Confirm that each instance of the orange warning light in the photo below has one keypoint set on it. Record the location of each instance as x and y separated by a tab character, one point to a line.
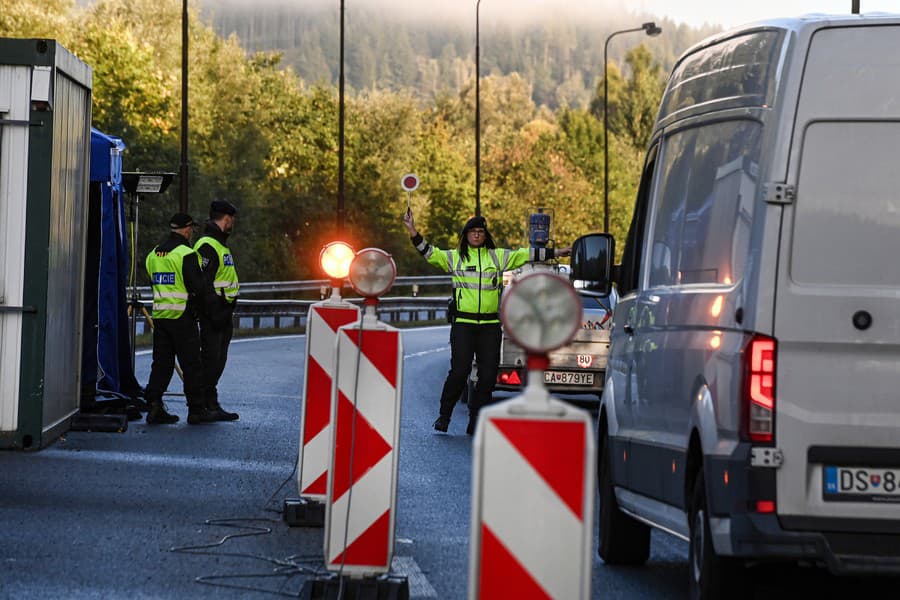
335	259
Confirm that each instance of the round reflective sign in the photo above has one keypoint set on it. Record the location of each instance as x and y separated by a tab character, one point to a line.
541	312
372	272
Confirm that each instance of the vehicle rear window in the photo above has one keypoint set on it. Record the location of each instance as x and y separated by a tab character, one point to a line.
848	205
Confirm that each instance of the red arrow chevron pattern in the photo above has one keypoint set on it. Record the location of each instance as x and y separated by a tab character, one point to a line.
361	493
322	325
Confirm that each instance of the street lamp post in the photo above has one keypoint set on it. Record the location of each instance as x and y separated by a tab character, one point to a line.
650	29
183	168
477	113
340	198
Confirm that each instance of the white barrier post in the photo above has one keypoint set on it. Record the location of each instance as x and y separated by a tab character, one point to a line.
322	323
534	459
362	487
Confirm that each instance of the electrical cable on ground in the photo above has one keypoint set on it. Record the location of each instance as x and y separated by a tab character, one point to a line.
288	568
280	487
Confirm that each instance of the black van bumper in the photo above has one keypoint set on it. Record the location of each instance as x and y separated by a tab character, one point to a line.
844	546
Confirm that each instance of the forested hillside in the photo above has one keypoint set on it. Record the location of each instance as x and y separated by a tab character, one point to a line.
560	57
266	137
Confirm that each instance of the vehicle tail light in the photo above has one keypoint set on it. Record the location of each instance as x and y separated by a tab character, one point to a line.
765	506
758	402
509	378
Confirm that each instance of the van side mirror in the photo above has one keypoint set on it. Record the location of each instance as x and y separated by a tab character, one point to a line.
592	262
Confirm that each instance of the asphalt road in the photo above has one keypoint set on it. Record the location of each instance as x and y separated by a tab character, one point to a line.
102	515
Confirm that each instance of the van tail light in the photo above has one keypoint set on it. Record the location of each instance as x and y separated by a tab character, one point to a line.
758	401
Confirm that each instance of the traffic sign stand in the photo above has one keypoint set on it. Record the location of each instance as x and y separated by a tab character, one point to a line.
330	587
322	324
532	497
361	502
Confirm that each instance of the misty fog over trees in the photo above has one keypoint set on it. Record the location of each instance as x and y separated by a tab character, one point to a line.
559	55
263	115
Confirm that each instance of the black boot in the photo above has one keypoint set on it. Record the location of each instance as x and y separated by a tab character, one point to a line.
198	415
221	414
442	424
470	428
157	415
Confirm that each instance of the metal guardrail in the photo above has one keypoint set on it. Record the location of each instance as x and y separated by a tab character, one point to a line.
256	288
278	314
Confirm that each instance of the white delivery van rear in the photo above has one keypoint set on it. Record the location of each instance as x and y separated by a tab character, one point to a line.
837	300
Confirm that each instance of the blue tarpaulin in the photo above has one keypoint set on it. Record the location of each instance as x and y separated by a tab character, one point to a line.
106	352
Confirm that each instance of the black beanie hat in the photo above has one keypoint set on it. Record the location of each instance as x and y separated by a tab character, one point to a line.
475	222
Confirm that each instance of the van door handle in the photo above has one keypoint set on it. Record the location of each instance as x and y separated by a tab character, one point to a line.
628	328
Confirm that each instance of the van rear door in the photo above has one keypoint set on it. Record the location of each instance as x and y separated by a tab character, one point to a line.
837	312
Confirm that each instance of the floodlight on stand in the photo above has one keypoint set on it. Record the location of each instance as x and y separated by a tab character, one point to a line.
146	183
138	185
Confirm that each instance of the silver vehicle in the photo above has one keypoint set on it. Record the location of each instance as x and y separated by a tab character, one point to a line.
579	367
751	403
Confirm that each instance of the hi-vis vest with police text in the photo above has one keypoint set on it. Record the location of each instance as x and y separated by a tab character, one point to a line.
226	279
478	279
170	294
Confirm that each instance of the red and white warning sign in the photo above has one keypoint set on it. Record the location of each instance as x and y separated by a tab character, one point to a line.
361	505
409	182
532	502
323	321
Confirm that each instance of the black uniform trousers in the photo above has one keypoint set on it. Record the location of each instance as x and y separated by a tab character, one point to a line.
176	338
468	340
214	342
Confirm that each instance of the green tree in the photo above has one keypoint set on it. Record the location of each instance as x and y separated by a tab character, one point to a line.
32	19
633	101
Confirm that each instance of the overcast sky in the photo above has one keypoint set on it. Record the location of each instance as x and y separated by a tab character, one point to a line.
696	12
726	13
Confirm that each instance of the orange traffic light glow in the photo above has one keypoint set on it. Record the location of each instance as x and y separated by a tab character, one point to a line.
335	259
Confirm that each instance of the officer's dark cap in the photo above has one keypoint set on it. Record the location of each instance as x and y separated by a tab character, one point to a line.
221	207
180	220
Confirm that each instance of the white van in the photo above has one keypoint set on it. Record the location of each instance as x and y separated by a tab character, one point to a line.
752	396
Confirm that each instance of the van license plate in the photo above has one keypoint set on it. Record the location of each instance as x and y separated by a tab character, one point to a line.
861	484
569	377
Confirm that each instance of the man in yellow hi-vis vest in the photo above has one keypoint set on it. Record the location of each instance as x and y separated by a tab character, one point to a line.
178	294
217	327
476	268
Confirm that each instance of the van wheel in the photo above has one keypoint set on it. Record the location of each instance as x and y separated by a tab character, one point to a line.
623	540
712	576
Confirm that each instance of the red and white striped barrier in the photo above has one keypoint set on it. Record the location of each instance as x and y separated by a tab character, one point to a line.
532	500
322	324
362	490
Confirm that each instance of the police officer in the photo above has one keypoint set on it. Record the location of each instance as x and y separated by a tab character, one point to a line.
174	270
476	268
216	328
